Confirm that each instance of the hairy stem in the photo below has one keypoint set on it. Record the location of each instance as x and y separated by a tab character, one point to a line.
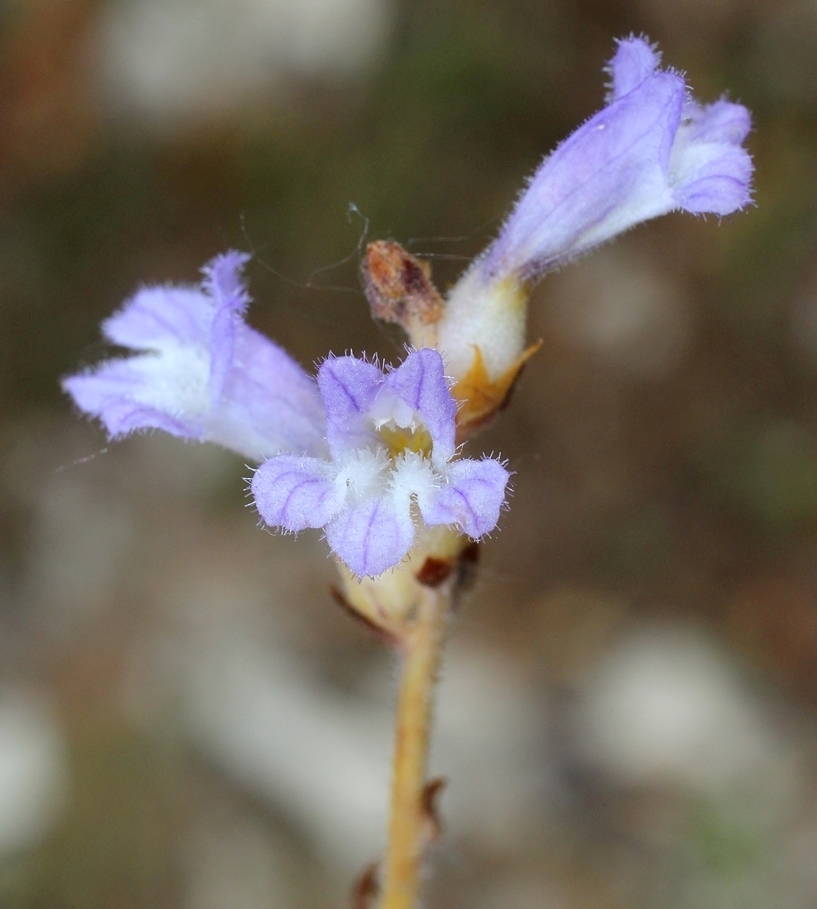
409	824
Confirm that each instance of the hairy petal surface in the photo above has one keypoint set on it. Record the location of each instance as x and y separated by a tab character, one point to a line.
222	282
632	161
635	60
373	535
296	493
144	392
199	372
348	387
471	499
360	398
419	384
391	438
709	169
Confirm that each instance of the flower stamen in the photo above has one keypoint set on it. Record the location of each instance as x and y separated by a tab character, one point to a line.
401	439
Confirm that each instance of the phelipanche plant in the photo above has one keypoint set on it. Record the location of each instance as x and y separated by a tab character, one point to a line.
371	454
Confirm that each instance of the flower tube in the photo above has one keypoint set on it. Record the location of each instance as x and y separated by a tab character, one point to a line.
651	150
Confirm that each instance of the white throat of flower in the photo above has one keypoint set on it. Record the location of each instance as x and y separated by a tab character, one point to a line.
398	463
400	429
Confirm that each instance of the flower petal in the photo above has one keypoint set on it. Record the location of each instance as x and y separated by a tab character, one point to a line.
296	493
115	394
222	280
374	535
348	387
266	402
615	170
471	499
606	177
158	317
269	404
722	121
634	61
709	169
419	382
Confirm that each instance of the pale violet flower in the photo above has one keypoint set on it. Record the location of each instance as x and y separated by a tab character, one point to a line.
366	454
650	151
200	372
391	440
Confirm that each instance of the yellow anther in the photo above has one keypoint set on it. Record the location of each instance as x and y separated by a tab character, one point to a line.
399	440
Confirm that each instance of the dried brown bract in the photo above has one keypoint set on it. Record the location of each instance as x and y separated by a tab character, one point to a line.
398	286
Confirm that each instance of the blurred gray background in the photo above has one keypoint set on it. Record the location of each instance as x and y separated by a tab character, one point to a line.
627	711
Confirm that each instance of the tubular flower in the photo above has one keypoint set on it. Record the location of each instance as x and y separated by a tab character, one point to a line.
368	455
200	372
391	441
651	150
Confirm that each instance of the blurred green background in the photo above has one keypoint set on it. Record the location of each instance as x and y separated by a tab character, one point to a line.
628	714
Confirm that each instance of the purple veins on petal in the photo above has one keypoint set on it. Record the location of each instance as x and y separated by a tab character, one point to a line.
348	387
222	281
374	535
296	493
359	398
420	383
156	316
199	372
471	499
378	482
648	152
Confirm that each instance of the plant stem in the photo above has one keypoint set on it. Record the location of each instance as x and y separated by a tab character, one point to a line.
409	823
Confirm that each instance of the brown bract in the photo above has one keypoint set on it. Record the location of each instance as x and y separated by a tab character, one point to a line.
398	286
435	571
366	887
431	793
